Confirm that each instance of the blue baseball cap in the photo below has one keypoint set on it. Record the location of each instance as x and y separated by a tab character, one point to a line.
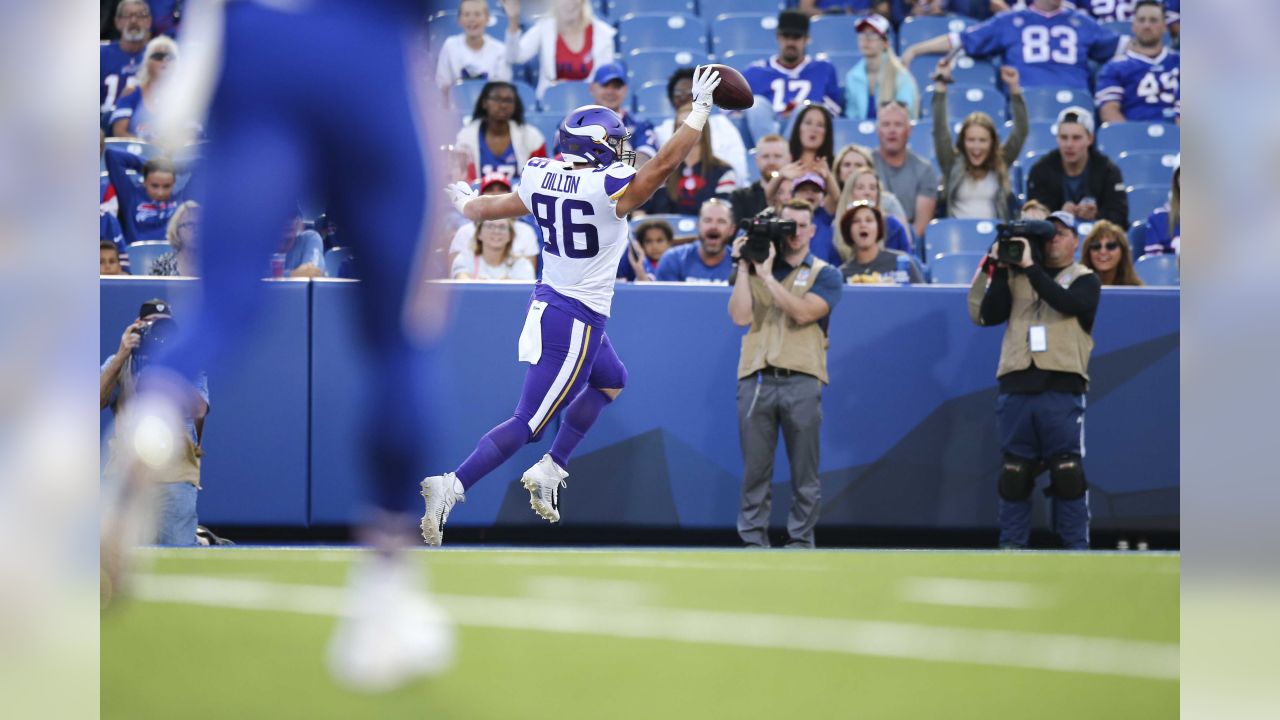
608	73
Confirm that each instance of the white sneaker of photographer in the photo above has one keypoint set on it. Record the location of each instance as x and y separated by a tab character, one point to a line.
543	481
391	631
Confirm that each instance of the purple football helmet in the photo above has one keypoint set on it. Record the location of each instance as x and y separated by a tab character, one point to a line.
594	134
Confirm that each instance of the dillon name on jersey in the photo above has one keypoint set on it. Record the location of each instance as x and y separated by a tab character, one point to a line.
582	236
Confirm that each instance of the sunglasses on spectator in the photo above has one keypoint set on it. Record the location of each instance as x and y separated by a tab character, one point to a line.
159	56
1110	246
133	16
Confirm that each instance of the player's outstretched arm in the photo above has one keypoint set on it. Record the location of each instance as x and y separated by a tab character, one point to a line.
655	172
485	207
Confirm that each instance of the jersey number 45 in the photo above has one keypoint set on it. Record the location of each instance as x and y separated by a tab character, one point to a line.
581	239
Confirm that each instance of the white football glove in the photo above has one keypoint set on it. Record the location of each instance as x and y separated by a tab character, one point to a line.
460	193
705	81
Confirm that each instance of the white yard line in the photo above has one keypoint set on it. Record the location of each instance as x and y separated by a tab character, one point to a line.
999	648
960	592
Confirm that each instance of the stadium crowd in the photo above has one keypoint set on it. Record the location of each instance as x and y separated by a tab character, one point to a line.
1071	106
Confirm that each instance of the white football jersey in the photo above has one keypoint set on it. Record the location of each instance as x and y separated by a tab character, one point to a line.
582	236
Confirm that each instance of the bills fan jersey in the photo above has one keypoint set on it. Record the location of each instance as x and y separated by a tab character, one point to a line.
582	236
1048	49
788	88
1146	88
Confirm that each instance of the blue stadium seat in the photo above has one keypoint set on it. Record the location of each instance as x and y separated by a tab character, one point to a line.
948	236
651	101
743	31
440	27
681	224
1153	269
753	170
954	269
548	124
143	254
497	27
144	151
1040	140
862	132
1146	168
967	71
836	31
656	65
1143	199
712	9
740	59
844	61
965	99
917	29
564	97
677	32
920	142
1114	138
1017	177
1044	103
618	9
463	96
1137	238
333	260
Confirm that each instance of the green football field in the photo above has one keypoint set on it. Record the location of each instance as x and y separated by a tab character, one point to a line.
624	633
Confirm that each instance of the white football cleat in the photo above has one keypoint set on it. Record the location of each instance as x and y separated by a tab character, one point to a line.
440	498
391	632
543	481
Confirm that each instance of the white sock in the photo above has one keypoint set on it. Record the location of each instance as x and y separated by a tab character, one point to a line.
457	486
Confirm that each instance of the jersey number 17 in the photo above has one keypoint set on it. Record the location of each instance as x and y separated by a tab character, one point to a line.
581	239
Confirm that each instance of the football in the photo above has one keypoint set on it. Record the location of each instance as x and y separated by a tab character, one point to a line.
733	92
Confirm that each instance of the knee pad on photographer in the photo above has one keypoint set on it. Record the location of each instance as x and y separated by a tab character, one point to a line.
1017	478
1066	476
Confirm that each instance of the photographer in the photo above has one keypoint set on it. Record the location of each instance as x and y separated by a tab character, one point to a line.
174	490
785	295
1031	281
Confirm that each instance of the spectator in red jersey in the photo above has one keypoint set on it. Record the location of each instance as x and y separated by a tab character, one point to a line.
699	178
570	43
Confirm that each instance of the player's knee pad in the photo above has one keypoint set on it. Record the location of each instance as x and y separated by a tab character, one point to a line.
612	376
1066	477
1017	478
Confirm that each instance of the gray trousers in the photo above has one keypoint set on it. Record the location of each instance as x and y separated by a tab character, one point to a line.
766	404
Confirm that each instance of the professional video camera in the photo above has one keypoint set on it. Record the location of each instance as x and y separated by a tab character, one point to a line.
154	336
765	228
1036	232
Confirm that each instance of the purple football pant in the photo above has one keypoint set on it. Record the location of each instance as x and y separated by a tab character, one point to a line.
576	357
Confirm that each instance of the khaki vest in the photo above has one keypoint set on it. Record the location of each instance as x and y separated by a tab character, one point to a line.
186	469
775	340
1068	345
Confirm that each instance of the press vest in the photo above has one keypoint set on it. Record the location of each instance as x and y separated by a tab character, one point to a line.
1067	344
775	340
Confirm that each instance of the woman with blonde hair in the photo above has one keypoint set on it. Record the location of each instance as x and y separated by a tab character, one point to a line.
1107	253
134	112
892	80
183	236
975	166
853	157
700	177
864	187
570	43
490	256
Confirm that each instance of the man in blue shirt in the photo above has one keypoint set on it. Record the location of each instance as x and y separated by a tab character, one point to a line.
609	88
119	60
704	260
109	231
791	78
1051	46
1144	85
